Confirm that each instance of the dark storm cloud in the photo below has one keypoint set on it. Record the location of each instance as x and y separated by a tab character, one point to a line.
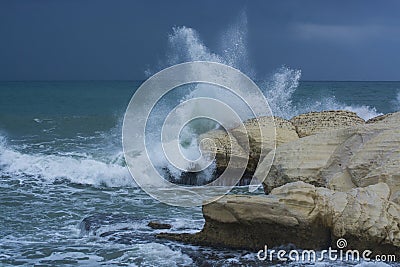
99	39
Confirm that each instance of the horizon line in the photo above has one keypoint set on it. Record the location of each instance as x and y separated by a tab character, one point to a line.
135	80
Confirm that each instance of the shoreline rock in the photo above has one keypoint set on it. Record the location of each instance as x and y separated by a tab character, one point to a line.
379	118
318	122
308	217
247	138
340	179
339	159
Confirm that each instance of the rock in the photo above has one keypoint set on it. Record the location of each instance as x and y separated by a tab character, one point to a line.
115	228
339	159
218	142
158	225
316	122
304	215
378	160
285	132
224	149
338	183
379	118
310	159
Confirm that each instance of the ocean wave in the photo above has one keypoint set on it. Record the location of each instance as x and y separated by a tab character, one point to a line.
51	168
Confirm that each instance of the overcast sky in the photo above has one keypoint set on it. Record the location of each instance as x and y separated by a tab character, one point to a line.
119	40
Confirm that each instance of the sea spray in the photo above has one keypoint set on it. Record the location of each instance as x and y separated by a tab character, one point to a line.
279	91
233	46
396	102
185	44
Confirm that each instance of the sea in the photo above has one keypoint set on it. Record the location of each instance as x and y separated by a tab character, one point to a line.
66	195
67	198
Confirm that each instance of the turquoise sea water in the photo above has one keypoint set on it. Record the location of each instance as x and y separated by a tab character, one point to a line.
66	196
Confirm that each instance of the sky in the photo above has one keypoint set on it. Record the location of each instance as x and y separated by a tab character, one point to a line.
120	39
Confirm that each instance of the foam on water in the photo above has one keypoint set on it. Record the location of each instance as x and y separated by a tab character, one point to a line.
52	167
155	254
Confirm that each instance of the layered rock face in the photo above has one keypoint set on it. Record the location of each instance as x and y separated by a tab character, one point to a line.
306	216
317	122
340	159
248	138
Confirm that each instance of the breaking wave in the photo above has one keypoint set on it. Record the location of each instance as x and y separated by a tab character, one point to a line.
75	168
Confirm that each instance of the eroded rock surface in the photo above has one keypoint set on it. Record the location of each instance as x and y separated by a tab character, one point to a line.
317	122
340	159
304	215
248	139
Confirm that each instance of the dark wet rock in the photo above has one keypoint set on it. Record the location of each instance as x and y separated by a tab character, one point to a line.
117	228
158	225
92	223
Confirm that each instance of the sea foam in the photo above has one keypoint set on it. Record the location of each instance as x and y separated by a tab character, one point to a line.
50	168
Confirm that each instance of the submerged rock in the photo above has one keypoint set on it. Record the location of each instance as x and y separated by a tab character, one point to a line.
317	122
115	227
304	215
158	225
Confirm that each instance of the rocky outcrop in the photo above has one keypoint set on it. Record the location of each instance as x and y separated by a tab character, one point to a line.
285	132
341	180
304	215
340	159
379	118
247	138
317	122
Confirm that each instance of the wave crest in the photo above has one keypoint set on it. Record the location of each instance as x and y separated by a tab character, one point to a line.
50	168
